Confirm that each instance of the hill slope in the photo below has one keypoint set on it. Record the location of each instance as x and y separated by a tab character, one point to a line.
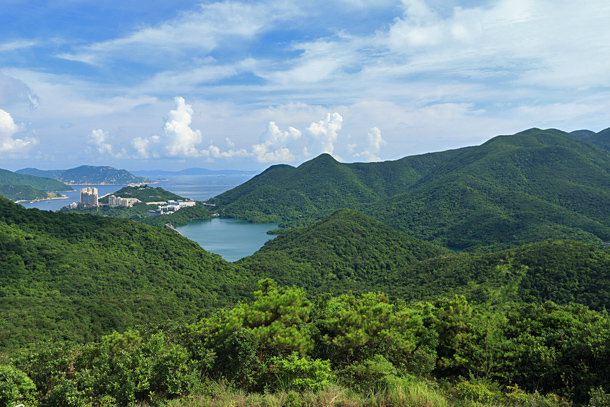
351	251
77	277
88	175
345	251
145	193
15	186
511	190
319	187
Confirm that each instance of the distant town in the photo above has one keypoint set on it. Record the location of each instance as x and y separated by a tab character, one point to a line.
89	199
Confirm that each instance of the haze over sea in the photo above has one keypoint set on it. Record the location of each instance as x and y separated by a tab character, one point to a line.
230	238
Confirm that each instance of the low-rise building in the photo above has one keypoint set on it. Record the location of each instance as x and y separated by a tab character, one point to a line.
118	201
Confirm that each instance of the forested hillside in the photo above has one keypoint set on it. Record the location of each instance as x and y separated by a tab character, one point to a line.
78	276
16	186
351	251
512	190
319	187
144	193
346	251
88	175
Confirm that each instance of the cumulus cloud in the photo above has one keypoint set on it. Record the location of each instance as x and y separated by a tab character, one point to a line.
374	142
99	139
8	129
180	140
273	144
325	131
144	146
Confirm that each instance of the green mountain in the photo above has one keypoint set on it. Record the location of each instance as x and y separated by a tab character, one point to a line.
351	251
15	186
512	190
88	175
345	251
601	139
77	277
319	187
145	193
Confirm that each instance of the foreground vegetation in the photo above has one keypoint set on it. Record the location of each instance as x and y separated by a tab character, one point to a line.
353	349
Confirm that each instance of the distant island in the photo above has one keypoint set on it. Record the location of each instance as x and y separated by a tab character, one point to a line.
88	175
22	187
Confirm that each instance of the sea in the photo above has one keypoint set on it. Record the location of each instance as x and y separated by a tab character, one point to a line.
232	239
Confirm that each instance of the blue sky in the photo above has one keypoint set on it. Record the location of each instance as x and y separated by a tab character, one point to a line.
245	85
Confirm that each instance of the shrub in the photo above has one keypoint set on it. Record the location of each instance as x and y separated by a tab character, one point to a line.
599	398
371	375
15	386
298	374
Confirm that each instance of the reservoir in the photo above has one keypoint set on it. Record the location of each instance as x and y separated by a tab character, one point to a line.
230	238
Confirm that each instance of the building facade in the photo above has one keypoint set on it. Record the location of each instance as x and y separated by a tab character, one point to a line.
88	196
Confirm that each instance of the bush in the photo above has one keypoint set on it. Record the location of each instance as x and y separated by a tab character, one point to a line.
374	374
298	374
599	398
15	386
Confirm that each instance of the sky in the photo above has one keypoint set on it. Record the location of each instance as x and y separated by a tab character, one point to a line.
153	84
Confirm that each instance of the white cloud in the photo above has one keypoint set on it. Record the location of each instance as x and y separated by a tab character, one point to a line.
273	144
99	139
144	146
16	45
325	131
181	139
374	141
195	33
8	129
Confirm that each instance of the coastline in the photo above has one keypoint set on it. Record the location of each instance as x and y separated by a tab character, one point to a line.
42	199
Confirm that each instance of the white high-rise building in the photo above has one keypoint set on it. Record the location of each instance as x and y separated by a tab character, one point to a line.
88	196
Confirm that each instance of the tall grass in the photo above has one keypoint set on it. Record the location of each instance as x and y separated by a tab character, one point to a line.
401	394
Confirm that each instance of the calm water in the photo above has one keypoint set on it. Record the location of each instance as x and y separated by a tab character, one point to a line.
230	238
197	187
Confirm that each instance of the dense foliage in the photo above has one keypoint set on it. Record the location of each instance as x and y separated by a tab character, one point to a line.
346	251
87	174
512	190
535	355
77	277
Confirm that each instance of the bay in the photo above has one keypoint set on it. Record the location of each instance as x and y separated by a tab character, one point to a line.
232	239
196	187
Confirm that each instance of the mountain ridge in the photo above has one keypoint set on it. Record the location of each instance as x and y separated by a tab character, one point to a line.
511	190
88	175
